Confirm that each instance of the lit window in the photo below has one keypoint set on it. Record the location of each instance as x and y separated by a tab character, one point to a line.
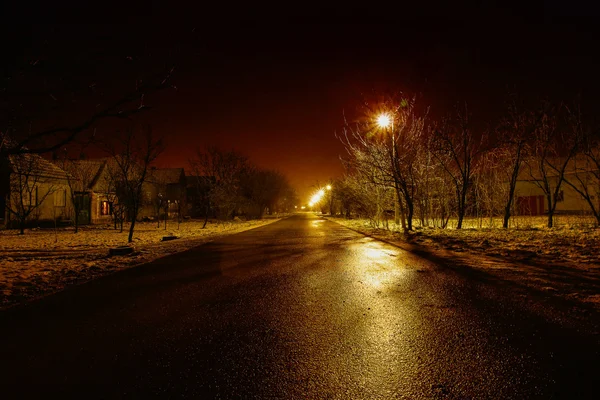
105	207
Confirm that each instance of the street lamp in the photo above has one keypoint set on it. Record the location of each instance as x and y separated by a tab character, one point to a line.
385	120
328	187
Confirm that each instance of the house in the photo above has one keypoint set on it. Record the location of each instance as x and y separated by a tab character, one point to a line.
164	190
96	190
531	199
33	190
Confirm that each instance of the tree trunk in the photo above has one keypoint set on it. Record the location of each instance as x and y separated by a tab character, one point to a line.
460	210
76	210
206	216
511	197
512	187
400	205
22	226
462	204
132	226
506	215
550	211
411	212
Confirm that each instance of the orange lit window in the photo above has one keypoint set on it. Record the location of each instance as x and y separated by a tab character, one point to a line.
105	207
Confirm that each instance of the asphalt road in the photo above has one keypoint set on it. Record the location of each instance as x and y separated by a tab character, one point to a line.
299	309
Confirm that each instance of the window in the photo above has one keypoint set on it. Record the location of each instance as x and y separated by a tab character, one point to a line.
105	207
60	198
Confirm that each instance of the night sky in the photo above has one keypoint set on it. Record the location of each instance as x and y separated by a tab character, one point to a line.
277	84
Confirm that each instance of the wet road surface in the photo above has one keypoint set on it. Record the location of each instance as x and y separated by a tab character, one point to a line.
299	309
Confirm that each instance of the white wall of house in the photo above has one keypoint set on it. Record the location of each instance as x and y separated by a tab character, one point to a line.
53	200
569	201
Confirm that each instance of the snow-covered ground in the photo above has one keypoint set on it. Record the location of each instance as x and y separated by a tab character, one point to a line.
43	261
563	261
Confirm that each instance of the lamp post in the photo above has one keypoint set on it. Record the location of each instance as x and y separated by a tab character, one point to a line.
384	120
328	187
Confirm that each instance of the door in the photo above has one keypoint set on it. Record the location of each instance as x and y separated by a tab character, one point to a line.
84	205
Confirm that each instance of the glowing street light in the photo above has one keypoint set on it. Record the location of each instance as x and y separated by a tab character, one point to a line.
328	187
317	197
384	120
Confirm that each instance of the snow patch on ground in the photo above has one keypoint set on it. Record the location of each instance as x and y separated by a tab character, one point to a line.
44	261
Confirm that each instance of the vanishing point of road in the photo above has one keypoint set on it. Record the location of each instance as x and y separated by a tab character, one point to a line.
302	308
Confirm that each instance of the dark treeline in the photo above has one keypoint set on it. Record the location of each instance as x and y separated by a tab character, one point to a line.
226	184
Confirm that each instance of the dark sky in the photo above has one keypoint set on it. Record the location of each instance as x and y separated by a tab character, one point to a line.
276	83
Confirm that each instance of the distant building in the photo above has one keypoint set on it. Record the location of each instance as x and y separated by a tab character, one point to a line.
531	199
164	191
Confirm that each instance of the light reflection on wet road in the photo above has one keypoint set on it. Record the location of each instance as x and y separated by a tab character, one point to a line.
302	308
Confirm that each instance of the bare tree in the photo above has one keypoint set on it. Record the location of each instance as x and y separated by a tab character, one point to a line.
263	189
407	155
585	166
160	200
456	148
552	150
133	156
15	140
515	132
390	152
489	186
201	196
368	162
110	189
224	171
79	177
30	185
344	196
288	200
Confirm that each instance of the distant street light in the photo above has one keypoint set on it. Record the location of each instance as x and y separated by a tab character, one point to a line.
316	198
328	187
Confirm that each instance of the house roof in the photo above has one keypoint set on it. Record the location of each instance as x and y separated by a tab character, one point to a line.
35	164
93	167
